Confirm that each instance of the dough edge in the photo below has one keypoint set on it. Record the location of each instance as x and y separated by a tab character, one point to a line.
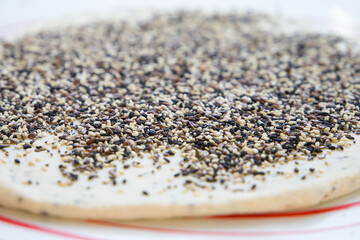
293	198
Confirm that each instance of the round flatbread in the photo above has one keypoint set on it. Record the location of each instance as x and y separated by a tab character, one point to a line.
182	114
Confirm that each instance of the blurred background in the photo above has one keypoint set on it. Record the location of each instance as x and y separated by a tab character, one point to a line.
338	16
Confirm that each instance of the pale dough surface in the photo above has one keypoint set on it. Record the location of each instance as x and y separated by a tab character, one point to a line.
334	176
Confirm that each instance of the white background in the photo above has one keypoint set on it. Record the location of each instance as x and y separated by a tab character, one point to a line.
338	16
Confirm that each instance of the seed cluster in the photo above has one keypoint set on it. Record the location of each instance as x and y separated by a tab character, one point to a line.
231	96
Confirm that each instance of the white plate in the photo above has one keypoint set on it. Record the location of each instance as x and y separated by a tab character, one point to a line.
338	219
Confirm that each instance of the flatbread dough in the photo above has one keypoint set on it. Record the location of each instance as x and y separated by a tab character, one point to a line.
35	184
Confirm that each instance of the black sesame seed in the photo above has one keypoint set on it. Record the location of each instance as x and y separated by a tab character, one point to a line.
26	146
350	137
92	176
73	177
258	173
211	180
76	152
331	147
151	132
171	153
